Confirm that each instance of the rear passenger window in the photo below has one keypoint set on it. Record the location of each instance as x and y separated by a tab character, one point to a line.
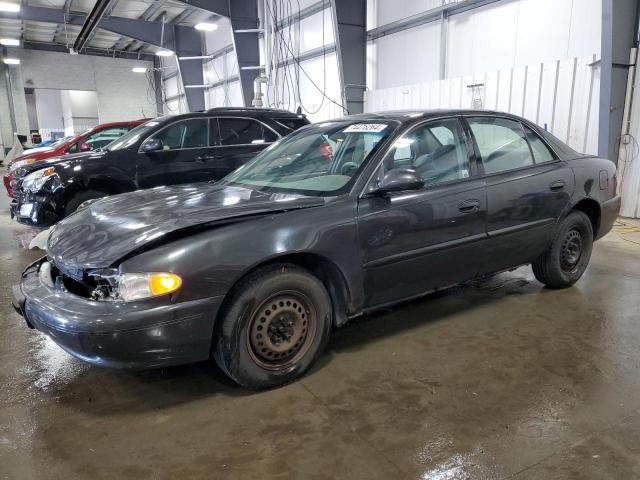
502	144
292	123
435	150
541	152
244	131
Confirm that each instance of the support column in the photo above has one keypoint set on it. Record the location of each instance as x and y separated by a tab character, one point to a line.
350	27
157	84
618	26
188	43
244	16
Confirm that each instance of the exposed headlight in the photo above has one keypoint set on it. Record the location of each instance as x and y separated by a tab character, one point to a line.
134	286
36	180
21	163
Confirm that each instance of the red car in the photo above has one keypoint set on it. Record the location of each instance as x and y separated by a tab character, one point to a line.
94	138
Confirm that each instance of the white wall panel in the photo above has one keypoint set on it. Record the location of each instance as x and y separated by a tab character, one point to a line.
311	29
557	94
501	35
410	56
391	10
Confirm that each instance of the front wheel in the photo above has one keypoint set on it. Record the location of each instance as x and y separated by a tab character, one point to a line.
275	326
81	197
568	256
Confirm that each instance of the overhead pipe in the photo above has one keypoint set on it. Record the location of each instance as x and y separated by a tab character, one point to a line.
91	23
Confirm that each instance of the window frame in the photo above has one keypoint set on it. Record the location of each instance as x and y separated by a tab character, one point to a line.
474	172
519	121
171	124
223	117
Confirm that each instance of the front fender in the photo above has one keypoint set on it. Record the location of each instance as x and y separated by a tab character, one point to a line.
212	261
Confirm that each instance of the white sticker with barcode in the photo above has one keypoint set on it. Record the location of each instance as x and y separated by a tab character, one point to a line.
365	128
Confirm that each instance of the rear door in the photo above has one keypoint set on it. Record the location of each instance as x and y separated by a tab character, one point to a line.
415	241
239	139
185	156
528	188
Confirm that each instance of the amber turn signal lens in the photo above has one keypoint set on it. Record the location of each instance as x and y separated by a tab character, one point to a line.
161	283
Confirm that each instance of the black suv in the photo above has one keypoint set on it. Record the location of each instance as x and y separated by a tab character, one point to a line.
188	148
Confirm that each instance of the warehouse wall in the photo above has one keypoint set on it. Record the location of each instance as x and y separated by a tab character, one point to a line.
508	33
122	94
22	119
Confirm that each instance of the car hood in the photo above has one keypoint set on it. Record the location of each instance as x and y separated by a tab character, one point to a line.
31	151
62	161
110	229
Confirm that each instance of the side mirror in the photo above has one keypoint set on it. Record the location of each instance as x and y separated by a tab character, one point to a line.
152	145
399	180
84	147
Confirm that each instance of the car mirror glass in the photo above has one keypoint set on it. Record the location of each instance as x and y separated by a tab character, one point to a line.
152	145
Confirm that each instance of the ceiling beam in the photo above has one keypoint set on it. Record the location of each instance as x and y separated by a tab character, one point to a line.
219	7
145	31
107	13
100	52
146	15
243	15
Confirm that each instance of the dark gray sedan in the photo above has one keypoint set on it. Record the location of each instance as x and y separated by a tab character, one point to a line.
336	220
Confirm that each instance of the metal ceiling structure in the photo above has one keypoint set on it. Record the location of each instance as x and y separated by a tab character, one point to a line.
54	25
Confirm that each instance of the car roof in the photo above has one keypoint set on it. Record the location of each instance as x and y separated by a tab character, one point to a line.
410	115
236	112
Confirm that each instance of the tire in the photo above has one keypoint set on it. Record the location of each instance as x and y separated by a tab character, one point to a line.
259	346
567	258
80	197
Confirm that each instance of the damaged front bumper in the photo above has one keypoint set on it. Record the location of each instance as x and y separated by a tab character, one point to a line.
140	334
36	209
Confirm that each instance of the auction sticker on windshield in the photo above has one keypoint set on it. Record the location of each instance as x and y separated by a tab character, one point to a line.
365	128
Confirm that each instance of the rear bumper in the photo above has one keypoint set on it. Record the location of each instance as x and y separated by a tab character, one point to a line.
609	212
117	334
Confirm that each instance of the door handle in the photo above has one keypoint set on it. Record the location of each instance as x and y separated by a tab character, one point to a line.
469	206
204	158
557	186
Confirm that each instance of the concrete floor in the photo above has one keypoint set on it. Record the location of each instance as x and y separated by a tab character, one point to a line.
502	379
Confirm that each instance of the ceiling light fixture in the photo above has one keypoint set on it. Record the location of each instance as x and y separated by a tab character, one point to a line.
139	69
206	27
165	53
9	7
12	61
9	42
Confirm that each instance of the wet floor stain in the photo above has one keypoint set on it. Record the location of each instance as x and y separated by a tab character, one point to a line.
498	378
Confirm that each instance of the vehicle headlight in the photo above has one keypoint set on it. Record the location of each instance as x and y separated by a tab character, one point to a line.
36	180
134	286
21	163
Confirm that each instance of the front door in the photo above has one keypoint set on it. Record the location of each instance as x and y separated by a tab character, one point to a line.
528	188
417	241
185	155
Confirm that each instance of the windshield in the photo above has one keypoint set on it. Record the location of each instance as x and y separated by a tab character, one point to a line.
131	137
59	143
318	160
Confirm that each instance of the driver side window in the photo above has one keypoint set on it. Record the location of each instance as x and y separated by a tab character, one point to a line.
435	150
185	134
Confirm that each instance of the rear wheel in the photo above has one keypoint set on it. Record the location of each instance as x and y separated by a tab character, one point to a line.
568	256
79	198
274	328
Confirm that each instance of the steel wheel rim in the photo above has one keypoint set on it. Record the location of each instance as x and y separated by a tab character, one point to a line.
571	251
281	330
